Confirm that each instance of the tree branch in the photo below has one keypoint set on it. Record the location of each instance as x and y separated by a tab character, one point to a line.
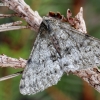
25	12
7	15
12	62
12	26
91	76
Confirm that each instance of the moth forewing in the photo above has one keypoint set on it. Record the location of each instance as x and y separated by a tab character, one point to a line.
58	48
43	69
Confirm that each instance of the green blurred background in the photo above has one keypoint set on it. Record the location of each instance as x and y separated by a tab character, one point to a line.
19	44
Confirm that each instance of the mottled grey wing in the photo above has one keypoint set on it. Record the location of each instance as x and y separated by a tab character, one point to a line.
42	69
77	50
58	48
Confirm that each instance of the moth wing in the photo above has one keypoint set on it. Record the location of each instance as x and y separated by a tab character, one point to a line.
89	50
45	67
78	50
42	69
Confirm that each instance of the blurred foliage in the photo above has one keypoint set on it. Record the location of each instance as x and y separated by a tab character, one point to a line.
19	44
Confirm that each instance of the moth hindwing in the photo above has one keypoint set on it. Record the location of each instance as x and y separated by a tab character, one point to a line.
58	48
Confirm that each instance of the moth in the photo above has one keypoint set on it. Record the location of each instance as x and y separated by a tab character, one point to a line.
58	48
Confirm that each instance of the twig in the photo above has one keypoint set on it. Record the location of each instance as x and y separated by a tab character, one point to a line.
12	26
81	26
91	76
7	15
3	4
12	62
25	12
11	76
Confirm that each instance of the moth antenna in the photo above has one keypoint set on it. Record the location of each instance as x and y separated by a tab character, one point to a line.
10	76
